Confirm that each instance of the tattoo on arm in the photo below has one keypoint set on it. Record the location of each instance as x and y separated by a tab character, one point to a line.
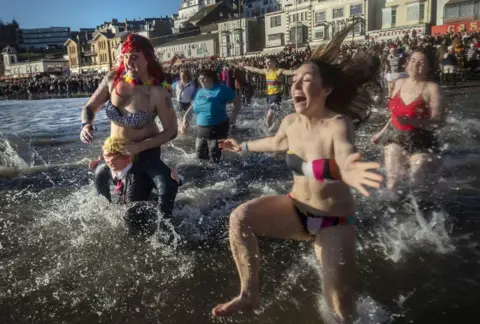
87	114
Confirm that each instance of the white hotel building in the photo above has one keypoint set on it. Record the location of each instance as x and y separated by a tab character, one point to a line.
303	22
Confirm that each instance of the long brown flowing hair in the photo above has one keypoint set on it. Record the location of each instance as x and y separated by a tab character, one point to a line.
137	43
346	76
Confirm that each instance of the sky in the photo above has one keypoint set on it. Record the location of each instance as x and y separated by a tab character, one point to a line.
81	13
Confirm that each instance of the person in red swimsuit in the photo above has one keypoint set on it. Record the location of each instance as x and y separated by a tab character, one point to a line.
417	111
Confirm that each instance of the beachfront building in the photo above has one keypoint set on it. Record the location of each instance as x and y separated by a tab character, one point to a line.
42	38
15	69
259	8
457	16
401	17
189	48
98	54
198	38
241	36
189	8
298	22
330	16
275	31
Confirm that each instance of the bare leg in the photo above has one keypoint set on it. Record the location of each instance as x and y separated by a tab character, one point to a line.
270	115
396	164
267	216
423	168
335	248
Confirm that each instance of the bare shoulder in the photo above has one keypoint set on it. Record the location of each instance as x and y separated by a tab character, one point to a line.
161	97
433	88
290	119
341	124
159	92
397	84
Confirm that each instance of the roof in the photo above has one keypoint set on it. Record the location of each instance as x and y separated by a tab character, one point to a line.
187	40
106	35
202	13
68	41
9	50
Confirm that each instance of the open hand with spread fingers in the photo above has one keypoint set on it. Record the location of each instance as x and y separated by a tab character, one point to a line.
357	175
230	145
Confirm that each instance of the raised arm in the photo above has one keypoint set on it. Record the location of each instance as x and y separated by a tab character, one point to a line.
168	118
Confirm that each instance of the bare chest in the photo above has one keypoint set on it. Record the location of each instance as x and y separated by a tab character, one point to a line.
131	99
311	143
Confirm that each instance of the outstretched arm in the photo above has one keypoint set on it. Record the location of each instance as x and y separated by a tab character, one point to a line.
276	143
286	72
254	69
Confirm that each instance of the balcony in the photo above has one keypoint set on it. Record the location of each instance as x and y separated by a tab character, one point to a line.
89	53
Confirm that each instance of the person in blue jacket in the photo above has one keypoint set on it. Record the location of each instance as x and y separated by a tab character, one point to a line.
213	122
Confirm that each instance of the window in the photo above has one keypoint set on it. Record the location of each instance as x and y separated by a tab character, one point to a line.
293	18
356	9
274	37
389	16
320	17
459	10
337	13
301	32
416	11
319	33
200	51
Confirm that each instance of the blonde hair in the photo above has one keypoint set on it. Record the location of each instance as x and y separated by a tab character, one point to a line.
115	145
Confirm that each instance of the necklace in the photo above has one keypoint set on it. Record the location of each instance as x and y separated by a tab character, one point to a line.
130	80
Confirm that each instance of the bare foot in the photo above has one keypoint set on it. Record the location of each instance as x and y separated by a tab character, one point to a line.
238	304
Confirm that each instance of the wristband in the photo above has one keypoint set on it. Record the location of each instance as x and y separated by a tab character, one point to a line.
84	124
245	146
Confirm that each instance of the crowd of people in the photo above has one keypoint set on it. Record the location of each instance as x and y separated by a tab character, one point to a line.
448	55
50	87
330	101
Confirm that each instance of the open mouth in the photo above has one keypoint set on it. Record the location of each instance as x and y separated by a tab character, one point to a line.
299	99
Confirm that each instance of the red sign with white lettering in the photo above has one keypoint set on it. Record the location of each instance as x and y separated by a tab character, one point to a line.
469	26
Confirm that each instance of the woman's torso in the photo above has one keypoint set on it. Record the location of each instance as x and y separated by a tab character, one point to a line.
320	198
210	105
408	101
130	99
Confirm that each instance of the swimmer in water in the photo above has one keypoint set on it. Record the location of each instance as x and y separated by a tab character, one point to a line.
319	143
409	136
213	120
274	90
133	97
131	184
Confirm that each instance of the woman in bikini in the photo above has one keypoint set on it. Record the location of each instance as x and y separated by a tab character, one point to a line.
319	141
133	97
417	111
